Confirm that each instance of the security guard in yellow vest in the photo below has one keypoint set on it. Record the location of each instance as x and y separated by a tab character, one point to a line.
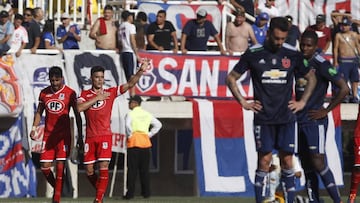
137	125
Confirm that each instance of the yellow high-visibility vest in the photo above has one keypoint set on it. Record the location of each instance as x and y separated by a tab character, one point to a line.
140	123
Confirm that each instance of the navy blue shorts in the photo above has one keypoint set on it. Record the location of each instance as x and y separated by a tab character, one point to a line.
282	137
349	68
128	64
312	138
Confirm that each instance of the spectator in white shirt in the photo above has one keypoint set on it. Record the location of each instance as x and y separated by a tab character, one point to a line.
20	38
126	37
269	8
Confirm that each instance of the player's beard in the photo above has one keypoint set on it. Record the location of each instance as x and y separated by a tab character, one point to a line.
272	46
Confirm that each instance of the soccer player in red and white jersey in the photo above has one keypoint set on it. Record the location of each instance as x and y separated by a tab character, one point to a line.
56	100
97	103
355	173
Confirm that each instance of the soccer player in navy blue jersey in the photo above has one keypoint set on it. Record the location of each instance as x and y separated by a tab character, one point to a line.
272	67
313	120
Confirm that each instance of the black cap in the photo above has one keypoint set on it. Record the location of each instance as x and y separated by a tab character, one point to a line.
289	18
346	21
126	14
136	98
320	18
4	14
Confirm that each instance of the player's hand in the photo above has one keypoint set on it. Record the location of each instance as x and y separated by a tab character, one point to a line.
318	114
145	63
32	134
254	106
296	106
80	144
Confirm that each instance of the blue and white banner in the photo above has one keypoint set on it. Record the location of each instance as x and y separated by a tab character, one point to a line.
17	178
225	152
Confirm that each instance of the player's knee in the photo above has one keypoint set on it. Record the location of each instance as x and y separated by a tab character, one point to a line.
46	164
89	170
318	162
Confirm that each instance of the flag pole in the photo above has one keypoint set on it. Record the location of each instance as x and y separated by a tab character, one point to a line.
125	173
114	175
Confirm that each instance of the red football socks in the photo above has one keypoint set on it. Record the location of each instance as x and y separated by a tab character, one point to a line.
355	180
59	181
102	183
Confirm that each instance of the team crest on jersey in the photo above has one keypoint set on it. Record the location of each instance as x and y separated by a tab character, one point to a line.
55	105
62	96
286	63
105	145
273	61
98	105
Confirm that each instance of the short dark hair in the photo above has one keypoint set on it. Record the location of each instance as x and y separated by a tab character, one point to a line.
280	23
310	34
239	12
108	7
31	10
18	16
95	69
55	71
161	11
49	26
141	16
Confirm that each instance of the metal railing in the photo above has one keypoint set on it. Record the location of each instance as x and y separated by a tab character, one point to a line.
84	12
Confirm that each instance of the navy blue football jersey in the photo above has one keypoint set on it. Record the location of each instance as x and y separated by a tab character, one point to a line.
273	76
325	73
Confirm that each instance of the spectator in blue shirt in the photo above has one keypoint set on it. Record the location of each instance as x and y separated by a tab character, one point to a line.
47	37
260	27
294	32
68	34
196	33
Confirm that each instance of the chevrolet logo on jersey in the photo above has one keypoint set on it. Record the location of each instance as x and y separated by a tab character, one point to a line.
55	106
98	105
274	74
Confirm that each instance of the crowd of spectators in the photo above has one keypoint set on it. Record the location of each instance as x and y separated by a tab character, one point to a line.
32	31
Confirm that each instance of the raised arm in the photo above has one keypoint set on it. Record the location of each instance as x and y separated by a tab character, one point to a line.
135	78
